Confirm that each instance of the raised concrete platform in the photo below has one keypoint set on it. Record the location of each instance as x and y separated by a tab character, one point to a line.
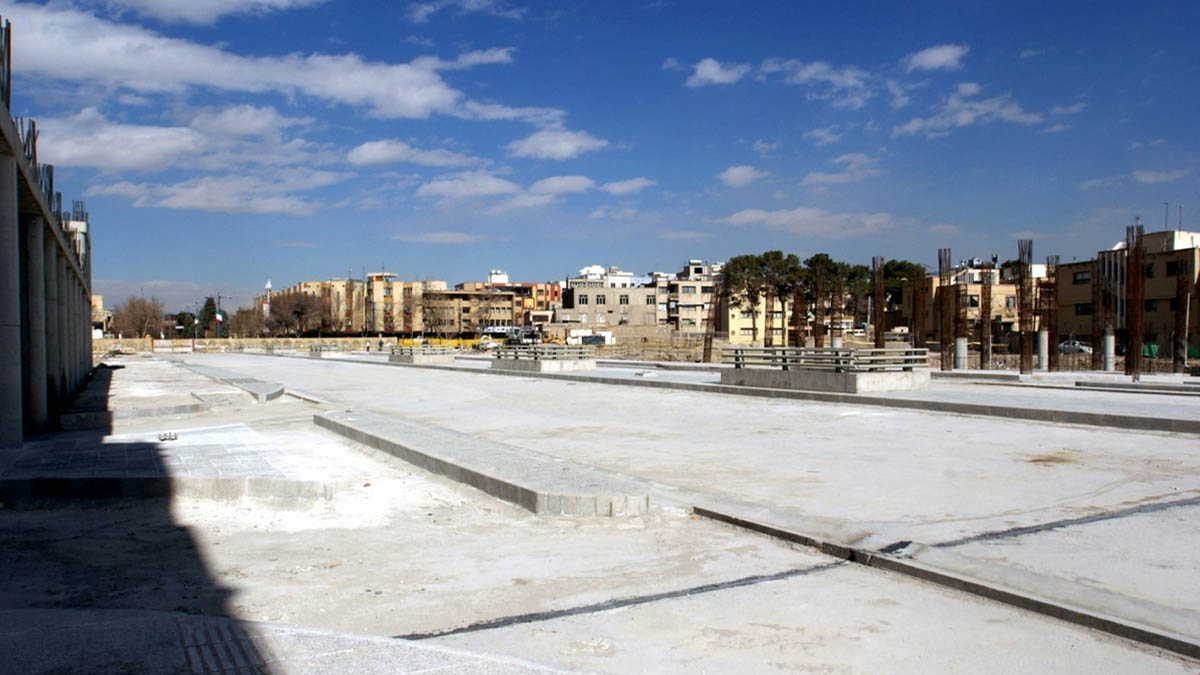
419	359
541	484
544	365
826	380
262	391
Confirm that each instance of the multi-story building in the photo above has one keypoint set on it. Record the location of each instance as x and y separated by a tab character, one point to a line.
533	303
689	296
1003	312
1169	255
380	304
601	306
455	312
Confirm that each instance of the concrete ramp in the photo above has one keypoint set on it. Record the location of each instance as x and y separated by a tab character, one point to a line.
542	484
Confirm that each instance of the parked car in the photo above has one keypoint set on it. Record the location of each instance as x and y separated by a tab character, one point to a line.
486	344
1074	347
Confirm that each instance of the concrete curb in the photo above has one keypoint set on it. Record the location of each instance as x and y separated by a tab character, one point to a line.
1125	422
261	391
39	491
541	484
1059	609
103	419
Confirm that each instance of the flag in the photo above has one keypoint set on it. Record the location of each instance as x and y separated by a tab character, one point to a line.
220	318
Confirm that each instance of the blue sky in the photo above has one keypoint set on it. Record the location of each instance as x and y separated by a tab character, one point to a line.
219	143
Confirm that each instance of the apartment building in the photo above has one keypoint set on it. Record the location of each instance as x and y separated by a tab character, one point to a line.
532	302
1091	292
690	295
380	304
1003	312
601	306
453	312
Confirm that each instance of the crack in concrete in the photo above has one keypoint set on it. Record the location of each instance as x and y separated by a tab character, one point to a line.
1069	522
618	603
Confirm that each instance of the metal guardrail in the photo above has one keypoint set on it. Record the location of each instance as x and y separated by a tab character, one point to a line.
839	360
423	350
316	349
545	352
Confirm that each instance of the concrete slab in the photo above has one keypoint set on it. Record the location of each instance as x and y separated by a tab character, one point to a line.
541	484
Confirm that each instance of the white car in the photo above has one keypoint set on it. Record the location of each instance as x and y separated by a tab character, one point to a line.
1074	347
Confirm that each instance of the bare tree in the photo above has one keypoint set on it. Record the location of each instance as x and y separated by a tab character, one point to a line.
297	313
139	317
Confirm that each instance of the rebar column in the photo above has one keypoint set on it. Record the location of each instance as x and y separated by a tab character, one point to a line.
1050	302
919	303
945	303
877	274
1025	302
11	411
1183	301
1135	300
985	317
837	301
1099	310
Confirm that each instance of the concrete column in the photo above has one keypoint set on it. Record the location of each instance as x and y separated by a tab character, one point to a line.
73	319
53	362
1043	350
12	431
34	323
1110	352
960	353
64	335
835	341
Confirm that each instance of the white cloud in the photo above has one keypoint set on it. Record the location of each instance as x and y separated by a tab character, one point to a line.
466	185
710	71
297	244
446	238
215	140
941	57
480	57
391	151
960	110
813	222
845	87
823	136
419	12
763	148
1068	109
201	11
1056	128
628	186
126	56
672	63
555	144
1152	177
229	193
523	201
944	228
613	214
1029	53
900	92
855	167
741	176
558	185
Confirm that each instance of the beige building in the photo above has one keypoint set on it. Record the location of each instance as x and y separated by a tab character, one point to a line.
1003	312
445	312
690	295
533	303
598	305
380	304
1169	255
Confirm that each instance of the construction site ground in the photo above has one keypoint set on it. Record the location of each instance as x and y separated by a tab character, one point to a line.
389	568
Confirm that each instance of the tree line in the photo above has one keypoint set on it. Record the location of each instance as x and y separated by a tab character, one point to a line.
818	283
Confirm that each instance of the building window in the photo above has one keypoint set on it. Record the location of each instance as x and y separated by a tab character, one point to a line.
650	299
1149	270
697	270
1083	309
972	301
689	289
623	300
1084	277
706	289
600	299
1175	267
1152	305
747	315
1174	305
583	300
1010	302
599	318
747	331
